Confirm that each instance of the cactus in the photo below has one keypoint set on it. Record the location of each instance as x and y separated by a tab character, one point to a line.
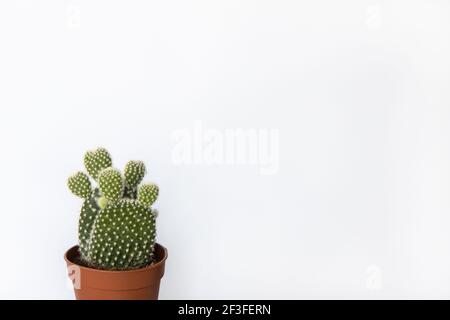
148	193
111	184
134	173
80	185
89	212
123	235
97	160
117	226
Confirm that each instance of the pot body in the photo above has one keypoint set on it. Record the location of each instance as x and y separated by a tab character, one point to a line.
94	284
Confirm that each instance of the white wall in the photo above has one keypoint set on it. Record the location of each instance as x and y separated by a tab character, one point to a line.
358	92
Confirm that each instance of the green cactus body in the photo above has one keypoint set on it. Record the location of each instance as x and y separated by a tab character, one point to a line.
89	212
117	226
97	160
80	185
123	236
134	173
148	193
111	184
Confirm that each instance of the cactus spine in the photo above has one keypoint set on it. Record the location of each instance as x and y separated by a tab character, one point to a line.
117	226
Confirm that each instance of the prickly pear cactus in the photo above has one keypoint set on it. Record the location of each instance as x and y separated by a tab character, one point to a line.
117	226
134	173
97	160
123	235
89	212
111	184
80	185
148	193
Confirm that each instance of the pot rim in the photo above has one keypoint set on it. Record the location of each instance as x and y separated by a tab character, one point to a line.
152	266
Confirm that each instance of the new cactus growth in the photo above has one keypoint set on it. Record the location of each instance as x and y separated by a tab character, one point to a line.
97	160
111	184
148	193
134	173
116	229
80	185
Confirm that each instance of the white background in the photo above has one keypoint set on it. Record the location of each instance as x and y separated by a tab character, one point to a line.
359	91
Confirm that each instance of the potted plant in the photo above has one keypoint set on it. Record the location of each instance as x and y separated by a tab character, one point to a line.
117	256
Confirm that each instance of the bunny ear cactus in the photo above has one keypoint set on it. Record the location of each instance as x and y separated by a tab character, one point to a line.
89	211
111	184
117	226
148	193
80	185
134	173
123	236
97	160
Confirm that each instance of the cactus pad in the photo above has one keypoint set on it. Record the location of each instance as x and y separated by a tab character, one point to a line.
80	185
134	173
111	184
147	194
123	236
97	160
89	212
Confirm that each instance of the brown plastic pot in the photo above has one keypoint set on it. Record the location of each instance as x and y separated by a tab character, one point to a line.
94	284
